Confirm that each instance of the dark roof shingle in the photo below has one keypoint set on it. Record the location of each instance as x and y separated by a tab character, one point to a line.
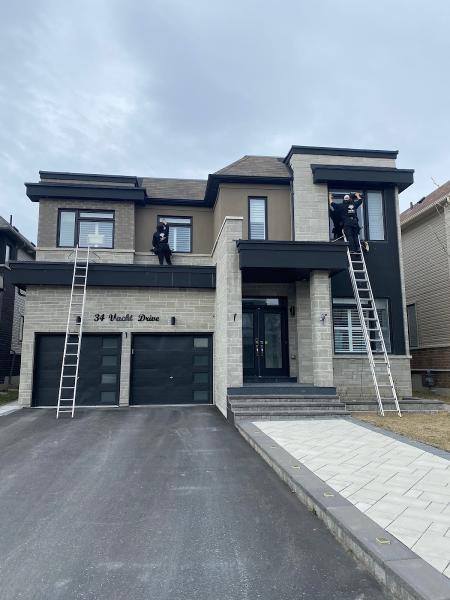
438	194
174	189
257	166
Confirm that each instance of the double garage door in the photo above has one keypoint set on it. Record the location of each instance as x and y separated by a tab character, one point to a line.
165	369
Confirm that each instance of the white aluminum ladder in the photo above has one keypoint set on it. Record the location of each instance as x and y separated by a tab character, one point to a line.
380	366
74	331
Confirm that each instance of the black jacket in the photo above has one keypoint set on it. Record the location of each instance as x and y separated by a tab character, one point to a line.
160	240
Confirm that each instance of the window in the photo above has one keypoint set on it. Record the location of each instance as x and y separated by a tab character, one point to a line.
375	217
348	335
8	254
180	233
257	221
370	213
412	326
86	228
21	323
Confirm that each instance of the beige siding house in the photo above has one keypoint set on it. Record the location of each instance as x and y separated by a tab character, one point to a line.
426	256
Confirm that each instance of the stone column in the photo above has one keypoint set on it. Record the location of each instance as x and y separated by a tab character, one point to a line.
304	333
125	366
322	331
228	312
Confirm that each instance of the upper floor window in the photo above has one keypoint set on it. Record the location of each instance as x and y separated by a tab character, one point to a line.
348	334
257	218
370	213
86	228
8	253
412	326
180	233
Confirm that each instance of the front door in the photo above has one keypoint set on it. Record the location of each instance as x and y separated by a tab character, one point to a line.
264	337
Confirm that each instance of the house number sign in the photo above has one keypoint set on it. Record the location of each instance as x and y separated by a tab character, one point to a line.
115	317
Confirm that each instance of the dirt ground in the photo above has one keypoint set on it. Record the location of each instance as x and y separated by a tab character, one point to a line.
433	429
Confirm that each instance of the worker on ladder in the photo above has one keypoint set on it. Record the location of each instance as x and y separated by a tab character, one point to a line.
347	216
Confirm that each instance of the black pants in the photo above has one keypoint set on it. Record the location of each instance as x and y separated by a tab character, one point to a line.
351	231
164	252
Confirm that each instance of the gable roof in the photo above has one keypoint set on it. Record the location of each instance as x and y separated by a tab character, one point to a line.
165	188
426	203
15	233
257	166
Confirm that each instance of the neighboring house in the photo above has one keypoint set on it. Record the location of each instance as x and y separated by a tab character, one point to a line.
426	256
13	247
257	292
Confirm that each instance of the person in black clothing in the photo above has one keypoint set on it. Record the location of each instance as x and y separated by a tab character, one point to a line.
336	217
161	243
348	212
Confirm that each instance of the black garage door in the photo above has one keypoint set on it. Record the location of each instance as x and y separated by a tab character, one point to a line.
171	369
99	370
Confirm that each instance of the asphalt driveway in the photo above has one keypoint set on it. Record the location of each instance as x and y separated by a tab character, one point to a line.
156	503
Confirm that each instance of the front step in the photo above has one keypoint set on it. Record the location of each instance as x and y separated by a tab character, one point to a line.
407	405
261	389
281	414
272	398
263	405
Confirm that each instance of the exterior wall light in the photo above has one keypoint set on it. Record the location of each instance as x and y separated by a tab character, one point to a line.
172	321
323	316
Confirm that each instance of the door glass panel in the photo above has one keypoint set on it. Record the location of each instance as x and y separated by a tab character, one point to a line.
272	343
201	360
247	340
200	378
201	342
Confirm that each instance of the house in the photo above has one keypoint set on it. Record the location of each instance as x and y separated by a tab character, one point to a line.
13	247
426	251
257	293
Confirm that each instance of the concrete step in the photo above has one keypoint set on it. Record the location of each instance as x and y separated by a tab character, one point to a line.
280	389
288	406
406	405
282	398
288	415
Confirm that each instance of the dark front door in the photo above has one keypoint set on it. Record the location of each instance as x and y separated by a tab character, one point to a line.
171	369
264	337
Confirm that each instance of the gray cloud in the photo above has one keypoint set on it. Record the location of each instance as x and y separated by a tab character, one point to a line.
181	88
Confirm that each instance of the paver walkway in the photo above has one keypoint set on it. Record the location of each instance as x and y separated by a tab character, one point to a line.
405	489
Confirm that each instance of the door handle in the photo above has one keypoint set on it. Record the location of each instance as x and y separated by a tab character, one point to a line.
261	346
257	346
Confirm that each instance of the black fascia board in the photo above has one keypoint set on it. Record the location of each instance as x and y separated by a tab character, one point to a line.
25	273
38	191
326	151
63	175
402	178
292	257
212	185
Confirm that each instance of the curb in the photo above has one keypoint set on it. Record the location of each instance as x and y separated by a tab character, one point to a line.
396	567
7	409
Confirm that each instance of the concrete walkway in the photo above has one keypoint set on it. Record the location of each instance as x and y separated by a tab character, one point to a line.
156	503
402	487
6	409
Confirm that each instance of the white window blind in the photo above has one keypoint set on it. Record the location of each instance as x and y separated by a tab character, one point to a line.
180	233
412	326
67	228
348	335
375	214
98	234
257	225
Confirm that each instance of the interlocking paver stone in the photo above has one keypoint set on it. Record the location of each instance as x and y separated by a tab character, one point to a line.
403	488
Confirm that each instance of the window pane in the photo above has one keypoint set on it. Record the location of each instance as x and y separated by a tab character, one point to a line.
66	228
348	334
109	342
200	378
338	198
109	360
180	238
257	229
107	397
96	215
375	215
383	315
176	220
412	326
109	378
201	396
201	360
201	342
8	254
98	234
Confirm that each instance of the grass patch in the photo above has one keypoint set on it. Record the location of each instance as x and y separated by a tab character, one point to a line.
433	429
9	396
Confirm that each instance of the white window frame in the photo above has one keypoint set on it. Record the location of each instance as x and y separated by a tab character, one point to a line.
253	199
350	304
176	222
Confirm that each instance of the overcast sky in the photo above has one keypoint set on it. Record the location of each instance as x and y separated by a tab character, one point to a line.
180	88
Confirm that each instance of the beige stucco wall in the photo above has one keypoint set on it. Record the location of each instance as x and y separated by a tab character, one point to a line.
202	225
232	200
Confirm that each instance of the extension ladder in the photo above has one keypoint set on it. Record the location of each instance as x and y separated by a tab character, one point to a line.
380	366
74	331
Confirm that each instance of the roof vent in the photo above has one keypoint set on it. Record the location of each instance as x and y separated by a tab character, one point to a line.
421	200
411	204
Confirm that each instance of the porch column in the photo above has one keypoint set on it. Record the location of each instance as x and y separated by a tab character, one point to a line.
304	333
322	333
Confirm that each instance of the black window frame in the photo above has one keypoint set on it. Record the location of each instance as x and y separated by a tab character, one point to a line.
408	322
79	219
266	222
167	218
12	252
364	190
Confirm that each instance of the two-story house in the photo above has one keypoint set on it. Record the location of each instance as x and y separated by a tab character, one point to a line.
13	247
426	250
258	291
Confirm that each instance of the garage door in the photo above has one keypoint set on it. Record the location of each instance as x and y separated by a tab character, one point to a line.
171	369
99	370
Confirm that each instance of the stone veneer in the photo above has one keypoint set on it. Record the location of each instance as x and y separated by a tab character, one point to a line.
47	308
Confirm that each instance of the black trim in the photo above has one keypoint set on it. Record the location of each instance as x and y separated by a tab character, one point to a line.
276	261
114	275
266	224
325	151
76	235
63	175
171	225
335	174
212	186
57	191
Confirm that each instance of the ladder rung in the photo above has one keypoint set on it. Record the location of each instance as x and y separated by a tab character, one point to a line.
67	387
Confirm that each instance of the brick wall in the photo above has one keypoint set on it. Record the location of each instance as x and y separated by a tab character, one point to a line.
47	307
